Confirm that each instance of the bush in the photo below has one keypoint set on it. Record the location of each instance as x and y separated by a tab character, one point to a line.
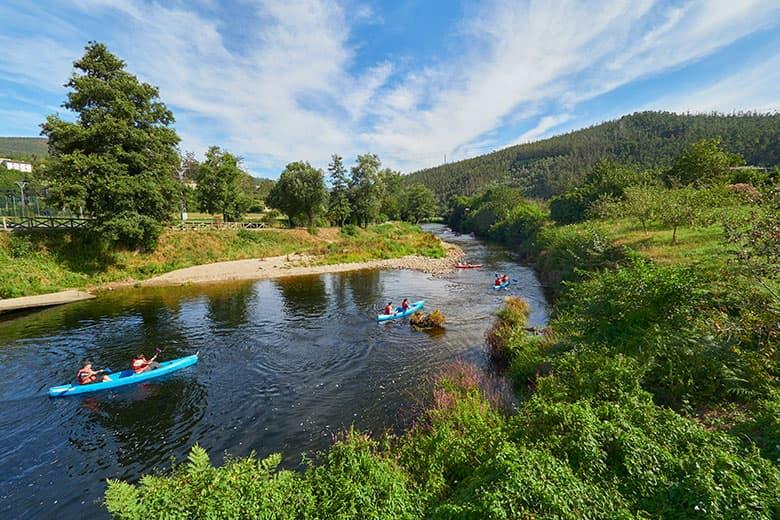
508	330
619	307
566	253
356	481
661	464
434	320
350	230
520	226
242	488
569	207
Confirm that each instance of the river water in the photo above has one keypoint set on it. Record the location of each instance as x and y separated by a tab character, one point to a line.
284	364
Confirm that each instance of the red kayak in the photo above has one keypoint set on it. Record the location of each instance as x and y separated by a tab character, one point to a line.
468	266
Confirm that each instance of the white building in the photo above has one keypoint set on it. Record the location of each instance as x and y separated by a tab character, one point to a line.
12	164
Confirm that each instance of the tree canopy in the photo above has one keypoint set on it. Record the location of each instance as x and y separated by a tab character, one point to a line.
219	185
339	208
366	189
117	160
300	192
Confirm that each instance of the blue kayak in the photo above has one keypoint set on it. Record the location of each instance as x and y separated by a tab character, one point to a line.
502	286
125	377
416	306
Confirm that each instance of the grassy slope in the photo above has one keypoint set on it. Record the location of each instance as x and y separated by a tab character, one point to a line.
23	147
40	263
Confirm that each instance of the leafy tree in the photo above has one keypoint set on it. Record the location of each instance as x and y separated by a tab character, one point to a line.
300	192
339	208
219	185
189	166
418	204
641	204
392	194
117	160
701	163
365	189
757	245
680	207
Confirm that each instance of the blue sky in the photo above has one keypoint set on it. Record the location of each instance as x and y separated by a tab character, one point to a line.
281	80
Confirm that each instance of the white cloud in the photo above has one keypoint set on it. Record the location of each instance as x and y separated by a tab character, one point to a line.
752	89
542	128
291	86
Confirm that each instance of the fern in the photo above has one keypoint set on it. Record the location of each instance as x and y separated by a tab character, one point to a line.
122	500
199	462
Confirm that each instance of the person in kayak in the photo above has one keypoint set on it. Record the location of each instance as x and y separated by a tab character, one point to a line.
141	364
86	375
389	308
504	279
498	280
404	306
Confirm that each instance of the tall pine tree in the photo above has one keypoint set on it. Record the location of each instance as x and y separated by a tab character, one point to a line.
118	159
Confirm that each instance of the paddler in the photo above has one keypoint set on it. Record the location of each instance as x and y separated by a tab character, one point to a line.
389	308
404	305
86	375
498	280
141	364
504	279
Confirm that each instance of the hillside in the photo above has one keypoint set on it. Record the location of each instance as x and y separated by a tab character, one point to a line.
648	139
22	147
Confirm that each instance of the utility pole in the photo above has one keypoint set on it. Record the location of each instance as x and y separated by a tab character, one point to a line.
22	185
445	157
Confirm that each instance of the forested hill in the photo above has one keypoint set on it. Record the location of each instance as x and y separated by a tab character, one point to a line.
23	147
646	139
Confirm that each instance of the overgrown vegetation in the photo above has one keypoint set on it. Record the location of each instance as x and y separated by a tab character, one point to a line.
36	263
652	394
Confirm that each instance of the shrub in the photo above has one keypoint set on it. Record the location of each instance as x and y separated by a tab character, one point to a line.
620	306
356	481
662	464
508	330
434	320
350	230
569	207
242	488
566	253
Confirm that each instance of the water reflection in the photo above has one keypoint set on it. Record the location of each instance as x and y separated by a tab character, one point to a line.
303	296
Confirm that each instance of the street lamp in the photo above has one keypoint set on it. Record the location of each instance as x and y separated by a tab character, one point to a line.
22	185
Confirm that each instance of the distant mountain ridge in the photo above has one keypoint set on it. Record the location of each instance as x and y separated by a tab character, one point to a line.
23	147
647	139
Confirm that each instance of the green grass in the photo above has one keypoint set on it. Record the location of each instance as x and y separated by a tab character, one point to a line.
37	263
21	147
700	246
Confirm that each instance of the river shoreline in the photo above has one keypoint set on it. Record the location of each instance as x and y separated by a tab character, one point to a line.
295	265
256	269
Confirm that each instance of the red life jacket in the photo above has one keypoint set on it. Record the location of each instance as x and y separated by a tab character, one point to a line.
405	305
85	377
388	309
138	364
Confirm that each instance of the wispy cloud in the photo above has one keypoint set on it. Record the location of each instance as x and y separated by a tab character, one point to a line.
294	84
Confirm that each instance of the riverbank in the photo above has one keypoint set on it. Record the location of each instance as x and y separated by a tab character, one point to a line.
298	265
41	263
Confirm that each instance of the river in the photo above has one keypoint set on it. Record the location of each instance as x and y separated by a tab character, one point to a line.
284	364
